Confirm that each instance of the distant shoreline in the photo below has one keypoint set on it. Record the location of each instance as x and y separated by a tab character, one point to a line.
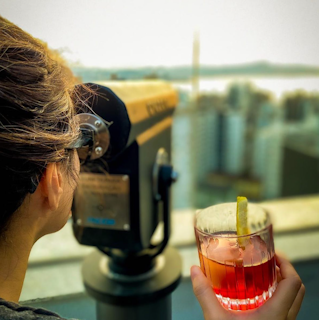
184	73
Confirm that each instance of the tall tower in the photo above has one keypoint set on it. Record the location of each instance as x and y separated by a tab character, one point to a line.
195	69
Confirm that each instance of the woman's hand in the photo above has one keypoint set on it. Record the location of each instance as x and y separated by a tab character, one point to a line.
284	305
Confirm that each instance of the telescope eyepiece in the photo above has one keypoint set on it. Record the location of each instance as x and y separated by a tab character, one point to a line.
94	140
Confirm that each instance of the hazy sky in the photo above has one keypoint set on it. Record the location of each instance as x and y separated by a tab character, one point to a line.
133	33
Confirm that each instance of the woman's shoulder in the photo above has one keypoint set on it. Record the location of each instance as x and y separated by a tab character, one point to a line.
13	311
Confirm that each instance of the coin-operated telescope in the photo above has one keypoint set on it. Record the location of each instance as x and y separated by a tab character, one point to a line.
123	195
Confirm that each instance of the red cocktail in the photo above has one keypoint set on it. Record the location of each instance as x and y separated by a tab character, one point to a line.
241	269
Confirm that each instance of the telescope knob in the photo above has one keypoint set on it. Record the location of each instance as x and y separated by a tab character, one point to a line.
174	176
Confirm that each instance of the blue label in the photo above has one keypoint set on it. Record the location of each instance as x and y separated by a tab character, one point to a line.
101	221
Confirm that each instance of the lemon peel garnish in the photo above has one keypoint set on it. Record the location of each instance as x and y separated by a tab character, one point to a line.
241	219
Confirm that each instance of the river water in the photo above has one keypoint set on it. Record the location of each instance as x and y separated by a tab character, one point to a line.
278	86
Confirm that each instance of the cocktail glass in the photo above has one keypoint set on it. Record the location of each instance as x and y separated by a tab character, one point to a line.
241	269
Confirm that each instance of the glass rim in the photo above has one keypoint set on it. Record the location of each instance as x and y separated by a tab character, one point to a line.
216	235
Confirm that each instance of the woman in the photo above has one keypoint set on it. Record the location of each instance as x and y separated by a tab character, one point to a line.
39	174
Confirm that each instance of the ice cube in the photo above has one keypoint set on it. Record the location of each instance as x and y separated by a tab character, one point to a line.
255	252
228	251
223	250
208	244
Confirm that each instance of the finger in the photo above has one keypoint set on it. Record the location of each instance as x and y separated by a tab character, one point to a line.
293	312
279	277
288	288
286	268
205	295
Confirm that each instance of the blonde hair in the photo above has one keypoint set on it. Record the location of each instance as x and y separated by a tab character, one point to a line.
38	101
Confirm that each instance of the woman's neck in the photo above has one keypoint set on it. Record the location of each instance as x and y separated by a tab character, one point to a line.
14	255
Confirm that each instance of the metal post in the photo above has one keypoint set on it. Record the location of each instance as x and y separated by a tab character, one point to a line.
143	297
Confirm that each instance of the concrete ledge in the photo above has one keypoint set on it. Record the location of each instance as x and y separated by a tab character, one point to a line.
55	261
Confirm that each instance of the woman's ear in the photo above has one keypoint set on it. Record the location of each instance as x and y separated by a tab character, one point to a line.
51	185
